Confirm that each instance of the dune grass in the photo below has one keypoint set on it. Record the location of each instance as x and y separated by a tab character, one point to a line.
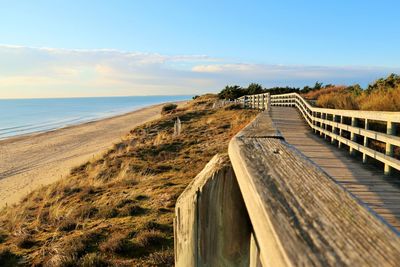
382	95
118	209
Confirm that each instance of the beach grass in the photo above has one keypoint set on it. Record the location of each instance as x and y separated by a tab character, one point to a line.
118	209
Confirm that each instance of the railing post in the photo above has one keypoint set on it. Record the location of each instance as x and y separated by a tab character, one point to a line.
334	129
313	121
326	125
365	157
262	102
321	133
390	129
352	135
340	132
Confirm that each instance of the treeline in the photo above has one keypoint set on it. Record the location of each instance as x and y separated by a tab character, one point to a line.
234	91
382	95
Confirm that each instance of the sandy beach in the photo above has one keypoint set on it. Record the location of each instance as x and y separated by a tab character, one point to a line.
30	161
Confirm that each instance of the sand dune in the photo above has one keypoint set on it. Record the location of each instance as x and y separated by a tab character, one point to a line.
31	161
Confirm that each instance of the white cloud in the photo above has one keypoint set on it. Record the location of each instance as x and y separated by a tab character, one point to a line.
53	72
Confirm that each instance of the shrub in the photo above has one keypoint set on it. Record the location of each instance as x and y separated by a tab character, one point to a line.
149	238
168	108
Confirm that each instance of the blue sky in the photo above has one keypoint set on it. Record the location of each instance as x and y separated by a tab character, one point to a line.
175	47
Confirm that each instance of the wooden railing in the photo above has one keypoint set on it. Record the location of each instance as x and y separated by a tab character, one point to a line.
259	101
268	205
343	126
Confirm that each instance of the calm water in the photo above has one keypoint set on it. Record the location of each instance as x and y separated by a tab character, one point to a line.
23	116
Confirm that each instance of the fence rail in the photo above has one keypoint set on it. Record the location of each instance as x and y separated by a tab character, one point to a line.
268	205
348	127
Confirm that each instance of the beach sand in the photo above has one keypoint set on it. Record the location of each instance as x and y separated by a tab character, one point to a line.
29	162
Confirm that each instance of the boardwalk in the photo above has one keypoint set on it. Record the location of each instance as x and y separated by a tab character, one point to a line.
369	185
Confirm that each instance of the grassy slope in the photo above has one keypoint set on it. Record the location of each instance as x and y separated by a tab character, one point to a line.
118	209
383	95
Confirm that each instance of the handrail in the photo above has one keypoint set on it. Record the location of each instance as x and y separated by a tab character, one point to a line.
318	120
299	215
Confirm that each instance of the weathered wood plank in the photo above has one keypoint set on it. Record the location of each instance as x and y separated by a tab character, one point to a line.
350	173
300	216
261	126
211	225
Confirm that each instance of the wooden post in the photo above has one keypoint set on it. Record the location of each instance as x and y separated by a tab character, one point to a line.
268	102
322	124
365	157
352	135
211	224
340	132
326	125
389	147
313	120
334	129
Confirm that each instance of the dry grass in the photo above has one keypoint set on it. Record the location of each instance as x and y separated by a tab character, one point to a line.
380	100
338	100
382	95
313	95
387	100
118	209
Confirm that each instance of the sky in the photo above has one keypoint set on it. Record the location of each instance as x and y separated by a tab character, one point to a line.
54	48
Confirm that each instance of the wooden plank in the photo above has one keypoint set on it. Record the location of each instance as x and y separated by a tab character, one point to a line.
204	232
301	216
261	126
336	163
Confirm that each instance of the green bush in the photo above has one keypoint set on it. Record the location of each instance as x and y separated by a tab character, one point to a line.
168	108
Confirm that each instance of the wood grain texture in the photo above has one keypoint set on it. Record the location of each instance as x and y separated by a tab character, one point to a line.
211	225
300	215
368	184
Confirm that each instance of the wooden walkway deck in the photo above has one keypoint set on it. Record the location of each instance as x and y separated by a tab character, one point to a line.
380	193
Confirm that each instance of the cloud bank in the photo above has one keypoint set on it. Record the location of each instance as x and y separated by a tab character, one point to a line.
49	72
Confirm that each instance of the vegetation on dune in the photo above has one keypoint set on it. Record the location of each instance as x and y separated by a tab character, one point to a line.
235	91
382	95
168	108
118	209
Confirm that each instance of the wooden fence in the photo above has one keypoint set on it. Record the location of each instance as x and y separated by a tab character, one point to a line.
268	205
349	127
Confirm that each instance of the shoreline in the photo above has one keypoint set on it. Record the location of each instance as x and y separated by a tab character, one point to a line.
36	159
35	133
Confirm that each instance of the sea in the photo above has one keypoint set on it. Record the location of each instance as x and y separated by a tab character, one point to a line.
26	116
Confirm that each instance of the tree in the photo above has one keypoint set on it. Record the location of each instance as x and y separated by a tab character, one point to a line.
254	88
317	85
231	92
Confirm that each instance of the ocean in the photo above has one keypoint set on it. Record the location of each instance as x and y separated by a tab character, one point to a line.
24	116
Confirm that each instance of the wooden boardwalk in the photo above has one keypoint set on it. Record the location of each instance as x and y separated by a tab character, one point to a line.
380	193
